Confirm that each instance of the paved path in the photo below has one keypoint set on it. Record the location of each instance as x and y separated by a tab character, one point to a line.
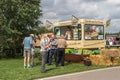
99	74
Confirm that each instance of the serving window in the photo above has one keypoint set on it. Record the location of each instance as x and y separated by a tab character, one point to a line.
70	32
93	32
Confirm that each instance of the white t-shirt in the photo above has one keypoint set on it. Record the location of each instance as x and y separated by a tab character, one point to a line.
44	42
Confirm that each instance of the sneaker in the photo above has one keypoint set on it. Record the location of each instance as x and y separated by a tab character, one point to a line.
29	66
25	65
33	64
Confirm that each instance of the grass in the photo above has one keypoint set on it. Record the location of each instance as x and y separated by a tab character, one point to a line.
12	69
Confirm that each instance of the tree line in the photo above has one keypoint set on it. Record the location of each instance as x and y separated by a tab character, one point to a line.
18	18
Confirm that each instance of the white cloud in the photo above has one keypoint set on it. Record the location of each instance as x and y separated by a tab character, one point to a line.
51	15
60	10
113	1
114	27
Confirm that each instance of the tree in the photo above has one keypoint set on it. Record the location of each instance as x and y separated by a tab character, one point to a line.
17	19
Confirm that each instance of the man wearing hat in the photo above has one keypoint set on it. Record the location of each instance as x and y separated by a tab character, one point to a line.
27	42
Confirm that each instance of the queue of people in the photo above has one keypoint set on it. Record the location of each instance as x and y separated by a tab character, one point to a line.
50	46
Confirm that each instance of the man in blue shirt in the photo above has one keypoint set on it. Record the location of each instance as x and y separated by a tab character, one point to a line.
27	42
53	49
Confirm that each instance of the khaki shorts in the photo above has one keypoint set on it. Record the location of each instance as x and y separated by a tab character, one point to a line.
27	52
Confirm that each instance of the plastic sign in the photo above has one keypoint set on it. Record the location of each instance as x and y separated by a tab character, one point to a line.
74	21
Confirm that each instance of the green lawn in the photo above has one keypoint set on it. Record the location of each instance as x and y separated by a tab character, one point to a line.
12	69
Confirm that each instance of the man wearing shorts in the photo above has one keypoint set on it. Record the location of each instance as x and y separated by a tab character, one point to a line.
27	42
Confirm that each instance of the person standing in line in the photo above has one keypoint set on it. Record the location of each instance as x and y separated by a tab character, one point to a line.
48	49
53	49
44	45
27	42
61	45
33	51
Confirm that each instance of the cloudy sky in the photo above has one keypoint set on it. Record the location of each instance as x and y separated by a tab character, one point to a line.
62	10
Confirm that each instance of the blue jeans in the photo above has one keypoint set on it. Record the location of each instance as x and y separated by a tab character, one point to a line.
51	53
47	56
60	56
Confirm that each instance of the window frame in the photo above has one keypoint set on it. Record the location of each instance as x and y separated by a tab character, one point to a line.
98	34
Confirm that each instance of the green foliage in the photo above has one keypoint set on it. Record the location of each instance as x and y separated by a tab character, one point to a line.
70	51
18	18
81	51
95	52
